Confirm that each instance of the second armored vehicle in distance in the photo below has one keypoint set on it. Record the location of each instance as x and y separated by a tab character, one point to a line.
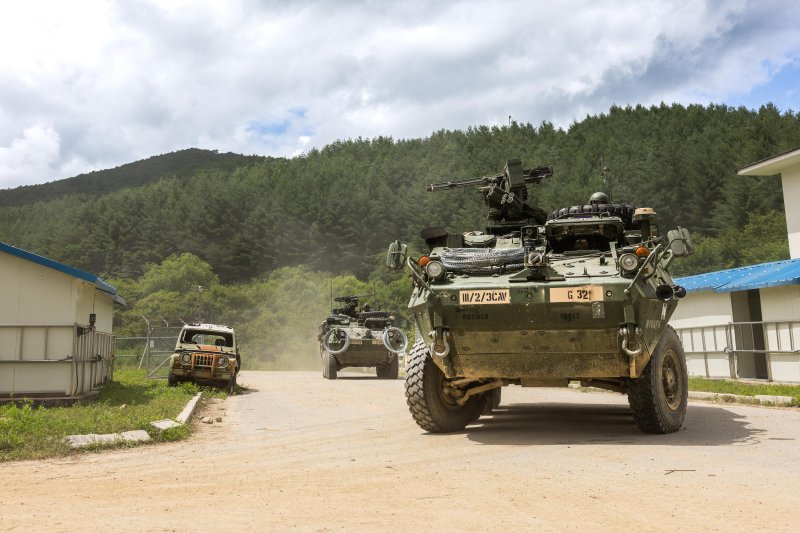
580	295
350	337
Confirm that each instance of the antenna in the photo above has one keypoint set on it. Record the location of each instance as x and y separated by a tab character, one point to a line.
606	179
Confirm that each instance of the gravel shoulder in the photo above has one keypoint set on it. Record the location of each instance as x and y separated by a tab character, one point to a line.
300	452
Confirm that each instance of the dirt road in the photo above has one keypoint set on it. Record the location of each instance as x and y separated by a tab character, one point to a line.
300	452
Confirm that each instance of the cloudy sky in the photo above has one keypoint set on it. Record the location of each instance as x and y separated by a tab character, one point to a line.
97	83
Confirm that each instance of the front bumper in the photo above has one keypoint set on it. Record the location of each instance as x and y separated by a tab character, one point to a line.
532	334
203	367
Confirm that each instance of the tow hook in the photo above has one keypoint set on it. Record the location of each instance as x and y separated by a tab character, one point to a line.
440	347
631	336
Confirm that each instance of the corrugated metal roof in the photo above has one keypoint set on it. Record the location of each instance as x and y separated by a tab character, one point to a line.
66	269
775	274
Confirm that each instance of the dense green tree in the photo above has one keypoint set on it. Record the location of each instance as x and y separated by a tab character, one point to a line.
332	209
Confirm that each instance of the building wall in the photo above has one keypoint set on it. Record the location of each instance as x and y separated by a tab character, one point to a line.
780	307
790	178
701	319
702	308
89	299
780	303
39	348
34	294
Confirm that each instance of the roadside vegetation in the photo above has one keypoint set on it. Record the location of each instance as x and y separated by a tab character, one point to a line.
130	402
745	389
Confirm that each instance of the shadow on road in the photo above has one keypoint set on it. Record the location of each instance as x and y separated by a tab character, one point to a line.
560	423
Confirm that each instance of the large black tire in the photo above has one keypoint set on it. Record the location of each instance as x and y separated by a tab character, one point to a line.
390	370
659	396
329	365
491	400
172	380
232	384
430	408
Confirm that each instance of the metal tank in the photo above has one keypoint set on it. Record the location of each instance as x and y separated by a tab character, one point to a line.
353	337
582	294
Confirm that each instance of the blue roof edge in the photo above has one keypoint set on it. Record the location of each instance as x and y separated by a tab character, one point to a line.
65	269
759	276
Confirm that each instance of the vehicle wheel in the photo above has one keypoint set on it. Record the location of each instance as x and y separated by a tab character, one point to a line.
658	397
329	366
390	370
172	380
232	385
431	408
492	400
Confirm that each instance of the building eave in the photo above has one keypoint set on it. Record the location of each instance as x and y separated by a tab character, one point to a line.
772	165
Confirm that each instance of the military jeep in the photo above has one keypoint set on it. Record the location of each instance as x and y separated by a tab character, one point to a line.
206	354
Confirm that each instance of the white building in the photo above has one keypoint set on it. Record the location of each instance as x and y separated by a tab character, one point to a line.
745	322
55	327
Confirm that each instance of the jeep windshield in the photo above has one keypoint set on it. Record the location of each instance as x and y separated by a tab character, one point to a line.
205	337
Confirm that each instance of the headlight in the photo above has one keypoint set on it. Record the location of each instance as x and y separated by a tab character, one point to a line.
186	358
629	263
222	362
435	270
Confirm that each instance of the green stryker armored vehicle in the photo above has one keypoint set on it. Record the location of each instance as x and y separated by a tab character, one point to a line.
582	294
350	337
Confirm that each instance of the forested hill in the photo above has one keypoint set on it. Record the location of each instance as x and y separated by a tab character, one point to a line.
337	208
180	164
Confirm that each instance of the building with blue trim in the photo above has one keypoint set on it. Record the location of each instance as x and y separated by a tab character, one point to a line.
56	338
745	322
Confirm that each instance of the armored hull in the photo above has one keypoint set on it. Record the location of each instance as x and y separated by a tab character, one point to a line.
528	330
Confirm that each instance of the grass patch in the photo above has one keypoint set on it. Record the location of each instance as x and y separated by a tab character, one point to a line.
129	402
721	386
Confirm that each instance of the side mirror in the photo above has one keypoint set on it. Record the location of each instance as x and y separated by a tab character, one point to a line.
396	255
680	242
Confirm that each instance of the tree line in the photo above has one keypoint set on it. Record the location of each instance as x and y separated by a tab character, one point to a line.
331	208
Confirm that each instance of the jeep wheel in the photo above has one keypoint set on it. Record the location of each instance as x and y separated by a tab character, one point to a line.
172	380
232	385
426	394
658	397
329	366
390	370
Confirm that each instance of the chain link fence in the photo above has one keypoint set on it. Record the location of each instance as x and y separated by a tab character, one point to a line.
151	350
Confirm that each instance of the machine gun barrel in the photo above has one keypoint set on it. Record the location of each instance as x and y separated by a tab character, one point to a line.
532	175
470	182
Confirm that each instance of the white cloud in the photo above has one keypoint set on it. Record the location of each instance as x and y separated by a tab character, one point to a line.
30	156
115	82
